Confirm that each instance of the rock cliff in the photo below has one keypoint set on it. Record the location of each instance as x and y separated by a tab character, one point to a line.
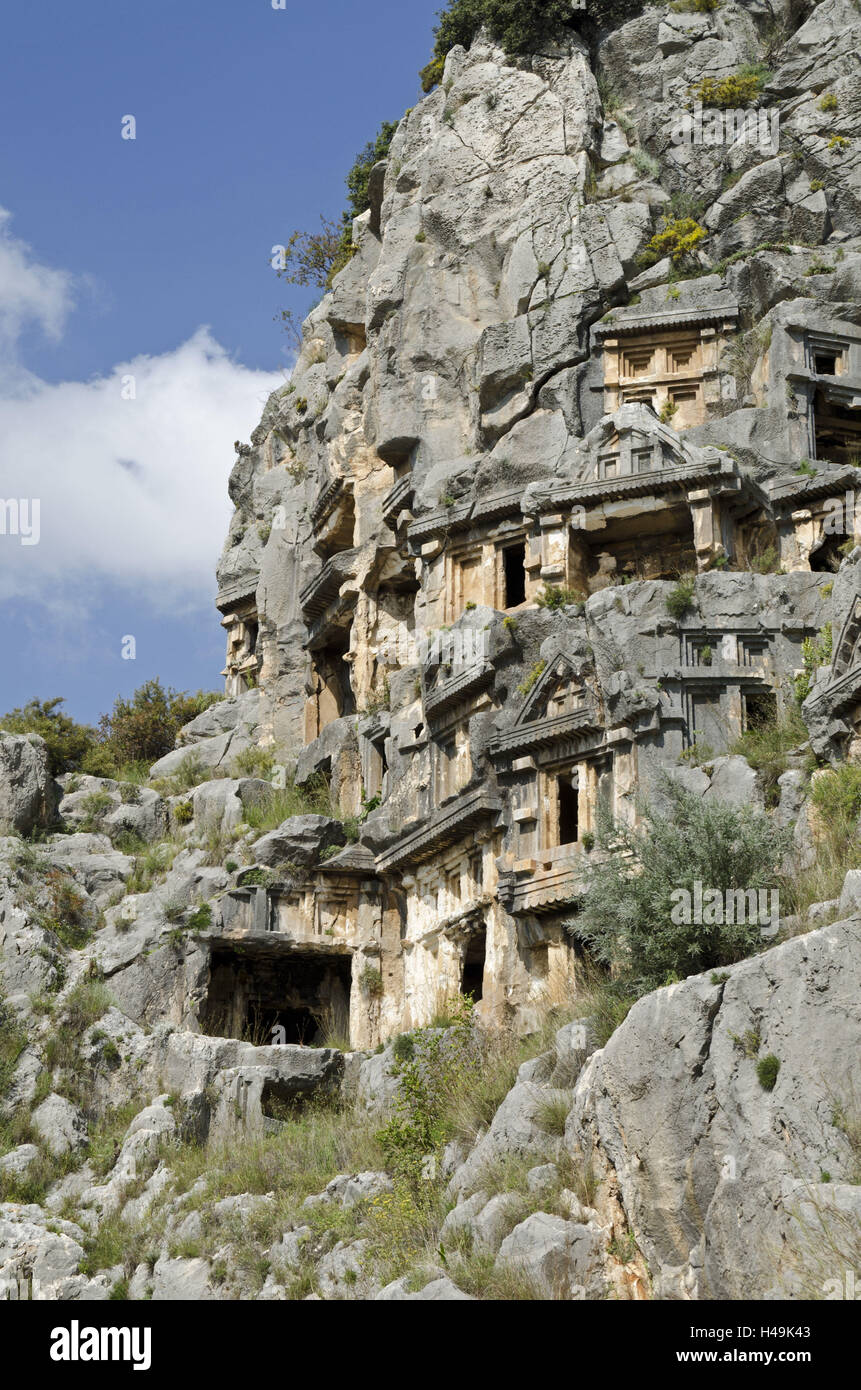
558	504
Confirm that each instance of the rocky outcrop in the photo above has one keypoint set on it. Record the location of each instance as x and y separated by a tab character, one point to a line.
552	509
27	795
727	1180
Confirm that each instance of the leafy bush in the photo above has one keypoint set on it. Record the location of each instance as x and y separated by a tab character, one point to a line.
520	26
767	1069
766	561
371	981
67	741
628	908
645	164
679	599
814	653
144	727
739	89
556	596
439	1062
678	238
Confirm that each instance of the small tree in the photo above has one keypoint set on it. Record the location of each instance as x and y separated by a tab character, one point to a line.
629	904
67	741
144	727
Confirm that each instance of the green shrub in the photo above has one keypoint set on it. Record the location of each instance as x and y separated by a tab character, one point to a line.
739	89
766	561
440	1062
678	238
556	596
200	919
143	728
67	741
371	981
183	812
828	102
767	1069
521	26
680	598
629	906
531	677
645	164
814	653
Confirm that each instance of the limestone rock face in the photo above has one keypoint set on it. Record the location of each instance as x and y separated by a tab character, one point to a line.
300	840
60	1124
721	1178
514	425
557	504
27	796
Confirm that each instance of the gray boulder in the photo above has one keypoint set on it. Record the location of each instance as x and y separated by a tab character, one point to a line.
564	1259
60	1124
300	840
27	797
713	1147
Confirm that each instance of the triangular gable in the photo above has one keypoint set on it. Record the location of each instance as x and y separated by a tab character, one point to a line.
560	671
847	648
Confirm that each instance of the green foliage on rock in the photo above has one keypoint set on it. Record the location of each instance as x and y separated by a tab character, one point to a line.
628	912
680	598
144	727
815	652
68	742
315	258
520	26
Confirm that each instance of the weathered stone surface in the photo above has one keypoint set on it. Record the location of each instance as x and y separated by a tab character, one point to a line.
61	1125
27	797
711	1167
563	1259
300	840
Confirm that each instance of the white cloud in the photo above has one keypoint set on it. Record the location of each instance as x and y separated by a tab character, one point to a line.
30	293
133	492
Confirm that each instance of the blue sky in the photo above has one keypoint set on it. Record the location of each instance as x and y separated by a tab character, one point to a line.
150	259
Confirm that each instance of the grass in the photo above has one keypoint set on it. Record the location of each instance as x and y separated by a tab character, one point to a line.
836	798
152	863
312	798
767	748
680	598
552	1113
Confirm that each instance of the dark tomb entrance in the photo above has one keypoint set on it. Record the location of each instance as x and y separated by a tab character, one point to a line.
473	965
253	992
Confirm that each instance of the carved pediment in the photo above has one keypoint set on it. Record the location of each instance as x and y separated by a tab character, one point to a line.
560	707
847	649
559	690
